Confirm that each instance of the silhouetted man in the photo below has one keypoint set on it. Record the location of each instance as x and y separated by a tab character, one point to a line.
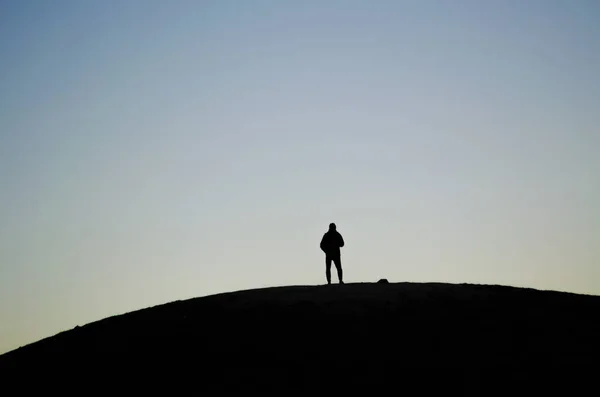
331	243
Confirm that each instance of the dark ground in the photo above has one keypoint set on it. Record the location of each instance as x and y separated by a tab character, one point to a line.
397	338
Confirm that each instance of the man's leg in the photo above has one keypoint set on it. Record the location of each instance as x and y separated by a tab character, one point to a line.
328	269
338	265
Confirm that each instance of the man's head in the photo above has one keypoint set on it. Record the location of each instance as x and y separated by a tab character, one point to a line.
332	226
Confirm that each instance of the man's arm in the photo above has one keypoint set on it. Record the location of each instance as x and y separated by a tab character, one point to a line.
341	241
322	245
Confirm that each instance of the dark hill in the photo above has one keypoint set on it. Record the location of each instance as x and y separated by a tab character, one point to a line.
299	340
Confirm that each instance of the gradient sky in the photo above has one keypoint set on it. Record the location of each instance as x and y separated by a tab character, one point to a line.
160	150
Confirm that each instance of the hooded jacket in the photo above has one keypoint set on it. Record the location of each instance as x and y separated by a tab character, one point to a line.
331	243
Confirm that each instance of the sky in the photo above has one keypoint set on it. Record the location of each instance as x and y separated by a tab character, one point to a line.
158	150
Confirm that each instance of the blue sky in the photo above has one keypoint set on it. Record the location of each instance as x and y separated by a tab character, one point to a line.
160	150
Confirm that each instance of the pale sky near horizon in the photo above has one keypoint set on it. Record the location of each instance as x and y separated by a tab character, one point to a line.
152	150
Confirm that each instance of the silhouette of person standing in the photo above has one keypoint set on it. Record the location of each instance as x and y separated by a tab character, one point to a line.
331	243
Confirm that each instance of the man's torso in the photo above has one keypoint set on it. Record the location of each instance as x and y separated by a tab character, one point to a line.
331	243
